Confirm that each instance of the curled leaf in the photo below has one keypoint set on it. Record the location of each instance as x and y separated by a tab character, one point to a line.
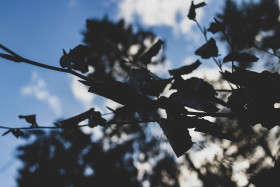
95	119
146	82
17	132
73	122
75	59
238	99
210	128
30	119
208	50
178	82
193	7
196	93
216	26
185	69
259	85
146	57
123	113
240	57
177	135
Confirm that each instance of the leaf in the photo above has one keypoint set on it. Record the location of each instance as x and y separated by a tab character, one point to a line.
260	85
147	83
30	119
76	58
263	112
240	57
17	132
95	119
208	50
193	7
7	132
93	116
240	76
177	135
123	113
196	93
10	57
178	82
238	99
146	57
210	128
216	26
185	69
87	83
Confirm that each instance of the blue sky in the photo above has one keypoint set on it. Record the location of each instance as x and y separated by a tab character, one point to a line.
39	30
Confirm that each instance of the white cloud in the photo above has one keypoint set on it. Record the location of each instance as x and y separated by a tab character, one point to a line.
161	70
38	89
72	3
81	93
171	13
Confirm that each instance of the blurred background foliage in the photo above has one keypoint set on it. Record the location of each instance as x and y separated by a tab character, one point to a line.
138	154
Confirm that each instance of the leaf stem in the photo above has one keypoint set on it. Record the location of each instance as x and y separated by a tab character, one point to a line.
206	39
266	51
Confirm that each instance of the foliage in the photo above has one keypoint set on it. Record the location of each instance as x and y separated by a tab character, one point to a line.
70	158
126	79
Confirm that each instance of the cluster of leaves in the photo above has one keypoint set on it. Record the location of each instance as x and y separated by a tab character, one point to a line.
124	77
143	92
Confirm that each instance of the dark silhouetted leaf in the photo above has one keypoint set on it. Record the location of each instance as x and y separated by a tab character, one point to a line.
17	132
76	59
260	85
198	94
240	57
263	112
185	69
95	119
147	83
238	99
75	120
123	113
7	132
193	7
205	126
216	26
177	135
146	57
178	82
30	119
208	50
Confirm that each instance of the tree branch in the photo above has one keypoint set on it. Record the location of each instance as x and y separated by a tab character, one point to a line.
21	59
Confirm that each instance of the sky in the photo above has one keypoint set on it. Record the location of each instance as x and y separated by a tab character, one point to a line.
39	30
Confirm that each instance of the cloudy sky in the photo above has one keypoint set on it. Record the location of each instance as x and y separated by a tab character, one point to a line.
39	30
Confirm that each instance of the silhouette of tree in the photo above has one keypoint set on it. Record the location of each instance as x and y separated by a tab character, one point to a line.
115	48
70	158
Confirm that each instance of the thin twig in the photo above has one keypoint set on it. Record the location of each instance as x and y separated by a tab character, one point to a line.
206	39
231	48
200	28
21	59
198	114
224	90
266	51
228	114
